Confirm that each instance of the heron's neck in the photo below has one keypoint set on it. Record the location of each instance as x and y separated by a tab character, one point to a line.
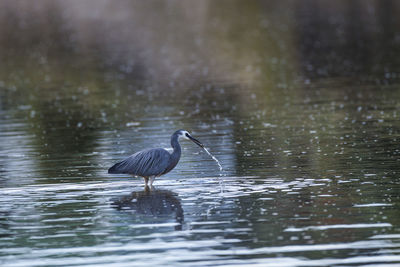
176	146
176	154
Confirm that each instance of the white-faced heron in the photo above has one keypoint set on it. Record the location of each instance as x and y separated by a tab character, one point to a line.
151	163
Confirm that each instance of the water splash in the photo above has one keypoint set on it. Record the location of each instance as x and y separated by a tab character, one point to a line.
221	185
214	158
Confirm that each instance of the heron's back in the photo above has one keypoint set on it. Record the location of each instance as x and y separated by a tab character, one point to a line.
150	162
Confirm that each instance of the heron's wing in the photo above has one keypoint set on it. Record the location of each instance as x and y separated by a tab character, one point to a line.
144	163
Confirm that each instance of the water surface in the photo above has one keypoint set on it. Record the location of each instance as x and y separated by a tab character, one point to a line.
306	127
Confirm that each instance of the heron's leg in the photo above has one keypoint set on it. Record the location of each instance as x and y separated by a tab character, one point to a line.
146	181
147	189
152	180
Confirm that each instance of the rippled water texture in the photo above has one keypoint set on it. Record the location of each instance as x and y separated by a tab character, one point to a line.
298	100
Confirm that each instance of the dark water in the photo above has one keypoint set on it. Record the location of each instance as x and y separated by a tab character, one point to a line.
299	103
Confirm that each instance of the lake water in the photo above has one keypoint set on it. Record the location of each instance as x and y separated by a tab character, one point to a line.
306	126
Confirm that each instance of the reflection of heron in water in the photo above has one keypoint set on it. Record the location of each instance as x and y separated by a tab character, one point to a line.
153	202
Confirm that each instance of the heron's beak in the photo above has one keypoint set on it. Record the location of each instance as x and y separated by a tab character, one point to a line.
197	142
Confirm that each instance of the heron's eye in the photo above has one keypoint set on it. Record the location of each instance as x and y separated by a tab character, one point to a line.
187	135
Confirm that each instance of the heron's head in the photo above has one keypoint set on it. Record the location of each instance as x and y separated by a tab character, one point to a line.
186	135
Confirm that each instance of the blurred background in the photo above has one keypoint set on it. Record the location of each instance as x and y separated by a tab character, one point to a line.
166	47
101	64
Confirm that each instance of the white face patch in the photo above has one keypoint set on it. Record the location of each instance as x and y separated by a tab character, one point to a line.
183	134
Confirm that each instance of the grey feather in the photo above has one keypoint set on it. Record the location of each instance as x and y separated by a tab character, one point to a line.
153	162
149	162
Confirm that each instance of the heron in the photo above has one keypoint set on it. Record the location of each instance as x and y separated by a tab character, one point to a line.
152	163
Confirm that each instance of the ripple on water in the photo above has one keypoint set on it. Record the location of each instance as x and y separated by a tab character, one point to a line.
207	230
338	226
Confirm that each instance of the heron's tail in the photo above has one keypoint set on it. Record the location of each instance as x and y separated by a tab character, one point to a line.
116	168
